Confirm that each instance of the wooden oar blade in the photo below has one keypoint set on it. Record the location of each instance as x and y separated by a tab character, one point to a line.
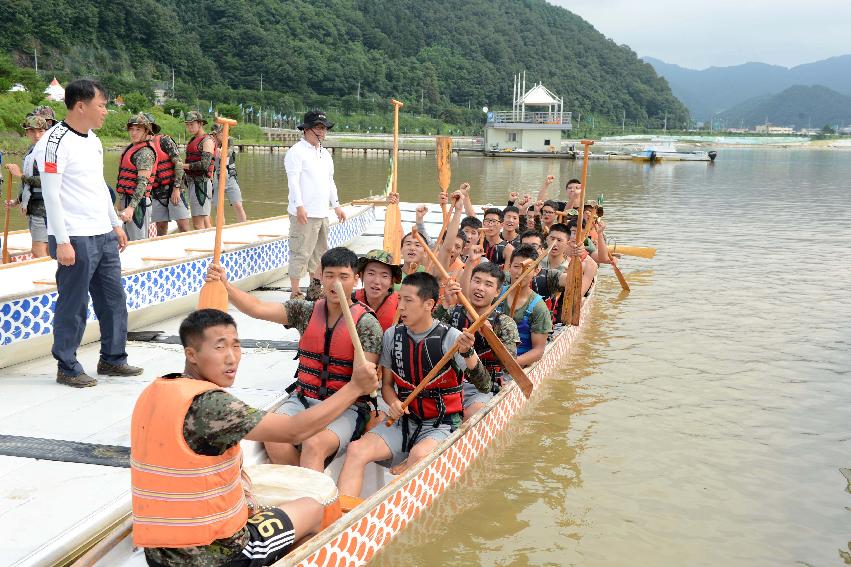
508	362
444	168
214	295
572	303
393	232
639	251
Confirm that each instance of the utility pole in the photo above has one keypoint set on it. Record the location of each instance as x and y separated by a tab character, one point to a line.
623	123
358	90
666	121
35	51
422	94
172	81
261	82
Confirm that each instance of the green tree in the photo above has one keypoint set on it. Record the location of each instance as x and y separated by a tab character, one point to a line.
136	102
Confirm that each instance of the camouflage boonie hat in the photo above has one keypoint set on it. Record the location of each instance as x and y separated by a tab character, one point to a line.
591	203
35	122
195	116
142	119
45	112
382	257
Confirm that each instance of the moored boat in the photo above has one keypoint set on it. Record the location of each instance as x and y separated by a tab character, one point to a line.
393	501
161	277
669	152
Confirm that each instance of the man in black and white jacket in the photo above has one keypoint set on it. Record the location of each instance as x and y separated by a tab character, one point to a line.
85	237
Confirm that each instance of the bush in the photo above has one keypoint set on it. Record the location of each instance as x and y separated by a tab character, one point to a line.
136	102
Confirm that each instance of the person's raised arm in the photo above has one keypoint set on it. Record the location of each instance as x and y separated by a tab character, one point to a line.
468	204
542	193
452	228
247	303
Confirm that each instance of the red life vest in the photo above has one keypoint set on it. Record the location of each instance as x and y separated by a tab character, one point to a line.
326	355
460	320
411	362
128	174
164	171
386	312
193	154
495	252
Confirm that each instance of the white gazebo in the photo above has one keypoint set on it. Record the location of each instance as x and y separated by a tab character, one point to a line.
54	91
534	123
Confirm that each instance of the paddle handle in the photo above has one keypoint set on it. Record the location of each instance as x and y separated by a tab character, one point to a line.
471	329
573	299
619	274
360	357
223	180
396	106
8	209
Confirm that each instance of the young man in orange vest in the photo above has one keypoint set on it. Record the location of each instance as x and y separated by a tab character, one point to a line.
408	352
379	274
326	355
184	441
199	169
135	177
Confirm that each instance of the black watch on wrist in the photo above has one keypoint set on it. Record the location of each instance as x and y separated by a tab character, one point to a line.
467	354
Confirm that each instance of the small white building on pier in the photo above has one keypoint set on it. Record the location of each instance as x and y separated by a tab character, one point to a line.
534	124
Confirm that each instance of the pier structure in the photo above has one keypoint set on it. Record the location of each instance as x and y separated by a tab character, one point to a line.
534	124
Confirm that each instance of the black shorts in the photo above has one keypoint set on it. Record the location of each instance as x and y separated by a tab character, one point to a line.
271	536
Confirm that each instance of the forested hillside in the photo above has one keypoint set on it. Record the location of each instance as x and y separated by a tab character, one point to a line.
799	106
454	56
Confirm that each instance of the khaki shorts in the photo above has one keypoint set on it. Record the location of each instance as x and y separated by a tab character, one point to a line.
308	242
200	195
38	228
170	212
343	427
232	191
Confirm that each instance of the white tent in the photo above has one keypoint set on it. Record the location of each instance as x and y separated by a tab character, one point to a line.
54	91
18	88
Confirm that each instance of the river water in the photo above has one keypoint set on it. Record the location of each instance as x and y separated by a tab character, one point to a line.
703	419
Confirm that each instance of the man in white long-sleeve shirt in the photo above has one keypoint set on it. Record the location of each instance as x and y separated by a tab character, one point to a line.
310	177
84	236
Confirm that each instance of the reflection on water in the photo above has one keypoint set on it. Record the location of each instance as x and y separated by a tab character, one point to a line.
703	418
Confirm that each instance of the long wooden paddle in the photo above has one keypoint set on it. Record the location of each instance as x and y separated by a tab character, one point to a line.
6	257
392	215
443	151
572	304
214	294
640	251
477	324
618	274
509	362
360	357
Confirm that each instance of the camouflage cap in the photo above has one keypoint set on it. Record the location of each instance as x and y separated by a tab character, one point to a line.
141	119
45	112
195	116
382	257
591	203
33	122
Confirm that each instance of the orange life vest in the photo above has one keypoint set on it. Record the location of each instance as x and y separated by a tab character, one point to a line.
180	498
164	170
325	355
128	173
193	154
386	312
411	362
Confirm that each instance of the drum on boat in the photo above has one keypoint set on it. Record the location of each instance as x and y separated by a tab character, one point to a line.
273	485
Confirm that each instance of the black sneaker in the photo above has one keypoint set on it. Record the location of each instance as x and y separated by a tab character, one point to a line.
79	381
108	369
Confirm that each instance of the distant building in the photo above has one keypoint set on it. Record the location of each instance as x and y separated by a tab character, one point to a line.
526	130
771	129
160	97
55	91
736	130
18	88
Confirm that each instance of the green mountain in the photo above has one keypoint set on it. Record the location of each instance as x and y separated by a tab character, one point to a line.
799	106
449	55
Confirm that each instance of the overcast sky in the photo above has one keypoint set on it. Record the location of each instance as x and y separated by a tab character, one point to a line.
704	33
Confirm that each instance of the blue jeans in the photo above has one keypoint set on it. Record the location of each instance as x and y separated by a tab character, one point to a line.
96	271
